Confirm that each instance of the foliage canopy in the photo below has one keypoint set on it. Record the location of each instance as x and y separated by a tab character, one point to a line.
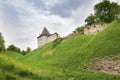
2	45
105	11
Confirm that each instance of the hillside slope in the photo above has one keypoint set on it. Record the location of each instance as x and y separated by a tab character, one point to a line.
76	54
73	59
83	48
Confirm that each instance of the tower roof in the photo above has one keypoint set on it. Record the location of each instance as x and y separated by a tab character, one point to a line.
45	32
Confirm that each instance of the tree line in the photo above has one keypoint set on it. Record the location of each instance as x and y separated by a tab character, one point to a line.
18	50
12	47
104	11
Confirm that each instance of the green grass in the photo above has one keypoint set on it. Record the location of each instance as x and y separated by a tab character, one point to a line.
67	59
14	70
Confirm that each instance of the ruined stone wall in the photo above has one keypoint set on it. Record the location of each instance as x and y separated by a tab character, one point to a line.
93	28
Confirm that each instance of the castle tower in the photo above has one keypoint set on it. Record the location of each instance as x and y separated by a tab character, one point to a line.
46	37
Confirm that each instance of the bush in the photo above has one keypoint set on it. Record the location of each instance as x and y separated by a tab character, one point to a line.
2	45
57	42
79	30
10	77
23	73
13	48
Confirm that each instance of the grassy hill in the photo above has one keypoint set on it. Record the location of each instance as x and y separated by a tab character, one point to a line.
72	59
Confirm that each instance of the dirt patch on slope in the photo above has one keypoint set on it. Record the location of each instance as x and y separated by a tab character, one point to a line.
107	65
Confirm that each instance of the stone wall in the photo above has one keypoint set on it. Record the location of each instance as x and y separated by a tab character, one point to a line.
42	40
94	28
52	37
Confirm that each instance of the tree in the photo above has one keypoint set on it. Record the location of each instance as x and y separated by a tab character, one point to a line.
28	49
79	30
24	52
107	11
13	48
91	19
2	45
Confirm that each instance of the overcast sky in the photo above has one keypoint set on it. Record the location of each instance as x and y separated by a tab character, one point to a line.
21	21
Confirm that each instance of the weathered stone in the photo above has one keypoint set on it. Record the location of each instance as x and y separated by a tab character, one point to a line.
108	66
94	28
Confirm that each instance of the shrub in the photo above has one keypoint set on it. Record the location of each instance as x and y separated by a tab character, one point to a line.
13	48
79	30
2	45
10	77
57	42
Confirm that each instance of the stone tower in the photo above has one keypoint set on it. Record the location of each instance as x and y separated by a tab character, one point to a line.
46	37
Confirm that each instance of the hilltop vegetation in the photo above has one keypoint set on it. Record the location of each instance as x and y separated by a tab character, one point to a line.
71	59
105	11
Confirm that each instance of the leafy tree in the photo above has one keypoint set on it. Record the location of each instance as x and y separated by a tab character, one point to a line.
2	45
79	30
24	52
91	19
13	48
107	11
28	49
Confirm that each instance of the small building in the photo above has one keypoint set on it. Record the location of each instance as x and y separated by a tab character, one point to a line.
94	28
46	37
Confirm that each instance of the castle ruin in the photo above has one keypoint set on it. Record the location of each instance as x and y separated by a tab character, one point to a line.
46	37
94	28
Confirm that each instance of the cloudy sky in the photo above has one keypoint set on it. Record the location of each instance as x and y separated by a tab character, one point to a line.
21	21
